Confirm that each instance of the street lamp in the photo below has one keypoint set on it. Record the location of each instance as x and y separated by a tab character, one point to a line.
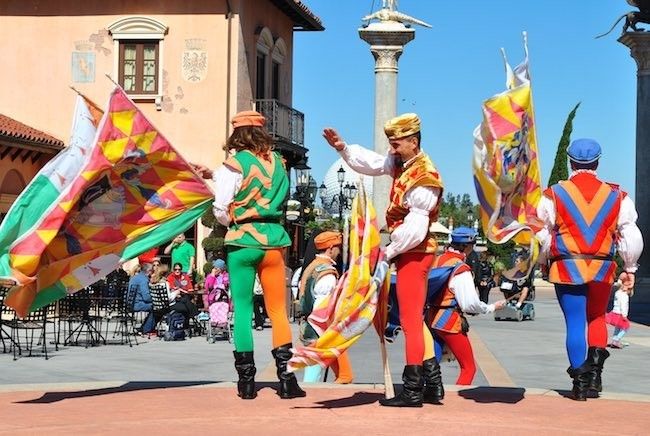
305	193
346	193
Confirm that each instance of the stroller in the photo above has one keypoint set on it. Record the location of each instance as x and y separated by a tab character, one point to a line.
221	315
512	290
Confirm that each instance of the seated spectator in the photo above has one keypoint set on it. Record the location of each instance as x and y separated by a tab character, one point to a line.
181	288
139	284
179	281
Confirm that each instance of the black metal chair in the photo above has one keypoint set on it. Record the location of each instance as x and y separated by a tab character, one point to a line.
35	322
125	315
160	300
6	314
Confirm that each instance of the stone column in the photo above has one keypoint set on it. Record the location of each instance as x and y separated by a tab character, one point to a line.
387	40
639	44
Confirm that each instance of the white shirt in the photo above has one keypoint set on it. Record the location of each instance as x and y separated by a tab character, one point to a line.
227	183
462	285
325	285
295	282
629	244
420	201
621	303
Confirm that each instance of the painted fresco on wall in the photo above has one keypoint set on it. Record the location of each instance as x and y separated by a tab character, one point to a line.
83	67
195	60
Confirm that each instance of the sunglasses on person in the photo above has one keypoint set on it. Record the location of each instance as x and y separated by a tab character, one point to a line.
177	269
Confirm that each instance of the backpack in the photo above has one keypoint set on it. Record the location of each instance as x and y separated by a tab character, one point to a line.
175	329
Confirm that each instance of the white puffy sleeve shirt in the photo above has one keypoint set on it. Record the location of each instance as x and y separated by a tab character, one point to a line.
629	244
419	200
227	183
462	285
324	286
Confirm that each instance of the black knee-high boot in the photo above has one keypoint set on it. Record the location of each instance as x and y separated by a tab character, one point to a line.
580	378
433	389
245	366
411	395
288	384
596	358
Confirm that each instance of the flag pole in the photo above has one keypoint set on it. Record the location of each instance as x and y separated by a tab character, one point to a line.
389	391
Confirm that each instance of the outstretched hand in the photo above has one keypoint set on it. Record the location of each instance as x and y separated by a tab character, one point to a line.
202	170
499	304
333	139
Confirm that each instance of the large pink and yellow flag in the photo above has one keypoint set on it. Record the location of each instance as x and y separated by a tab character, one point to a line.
342	317
130	191
506	165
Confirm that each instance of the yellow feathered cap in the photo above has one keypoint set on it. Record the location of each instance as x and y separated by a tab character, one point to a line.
401	126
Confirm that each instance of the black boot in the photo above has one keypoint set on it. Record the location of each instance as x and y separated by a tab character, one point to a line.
433	389
580	378
245	366
411	395
596	358
288	384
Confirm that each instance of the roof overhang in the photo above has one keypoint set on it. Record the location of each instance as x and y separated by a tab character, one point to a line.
303	18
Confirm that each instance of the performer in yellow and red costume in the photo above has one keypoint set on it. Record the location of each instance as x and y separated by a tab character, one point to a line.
586	222
414	203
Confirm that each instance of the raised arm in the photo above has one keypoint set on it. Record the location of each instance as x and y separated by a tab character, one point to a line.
360	159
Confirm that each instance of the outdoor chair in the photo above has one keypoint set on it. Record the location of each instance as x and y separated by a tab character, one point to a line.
35	323
121	311
160	299
6	314
76	309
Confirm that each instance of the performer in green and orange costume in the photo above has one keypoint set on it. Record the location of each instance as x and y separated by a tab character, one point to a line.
251	188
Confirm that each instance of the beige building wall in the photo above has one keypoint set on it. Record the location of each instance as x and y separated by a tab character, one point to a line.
40	37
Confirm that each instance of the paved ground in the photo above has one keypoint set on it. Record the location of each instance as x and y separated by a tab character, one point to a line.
186	386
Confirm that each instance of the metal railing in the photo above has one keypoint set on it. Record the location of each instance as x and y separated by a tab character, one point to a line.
283	122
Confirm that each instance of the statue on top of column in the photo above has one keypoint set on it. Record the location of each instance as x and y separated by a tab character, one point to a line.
632	18
389	12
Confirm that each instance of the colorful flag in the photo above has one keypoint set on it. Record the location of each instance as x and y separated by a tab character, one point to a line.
506	165
342	317
127	193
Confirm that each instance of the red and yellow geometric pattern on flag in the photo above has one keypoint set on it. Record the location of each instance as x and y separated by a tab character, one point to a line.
506	166
132	184
342	317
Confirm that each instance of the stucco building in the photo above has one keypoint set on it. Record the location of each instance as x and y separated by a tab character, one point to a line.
188	64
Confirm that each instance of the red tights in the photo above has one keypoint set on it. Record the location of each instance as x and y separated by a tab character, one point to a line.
460	346
412	275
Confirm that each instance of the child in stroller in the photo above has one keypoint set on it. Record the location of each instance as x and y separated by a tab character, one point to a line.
218	302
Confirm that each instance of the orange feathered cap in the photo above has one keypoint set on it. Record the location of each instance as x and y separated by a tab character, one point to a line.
248	118
325	240
401	126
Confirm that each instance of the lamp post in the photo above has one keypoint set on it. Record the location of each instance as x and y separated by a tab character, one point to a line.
346	193
305	194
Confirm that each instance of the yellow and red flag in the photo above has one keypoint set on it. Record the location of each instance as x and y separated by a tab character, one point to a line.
342	317
103	202
506	165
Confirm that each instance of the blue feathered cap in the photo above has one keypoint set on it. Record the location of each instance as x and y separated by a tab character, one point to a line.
584	151
219	263
463	235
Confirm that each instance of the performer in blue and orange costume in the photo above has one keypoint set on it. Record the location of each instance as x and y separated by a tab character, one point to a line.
586	221
446	316
414	203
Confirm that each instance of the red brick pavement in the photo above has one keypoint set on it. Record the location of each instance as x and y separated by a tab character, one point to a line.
328	411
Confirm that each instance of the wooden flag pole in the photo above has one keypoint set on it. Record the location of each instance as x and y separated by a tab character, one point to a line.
389	391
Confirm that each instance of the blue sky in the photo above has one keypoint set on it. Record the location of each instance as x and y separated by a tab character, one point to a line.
448	70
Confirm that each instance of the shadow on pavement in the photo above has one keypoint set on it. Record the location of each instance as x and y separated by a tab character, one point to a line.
53	397
357	399
486	394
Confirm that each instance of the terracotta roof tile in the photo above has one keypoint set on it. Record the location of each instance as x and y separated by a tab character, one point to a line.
15	129
308	11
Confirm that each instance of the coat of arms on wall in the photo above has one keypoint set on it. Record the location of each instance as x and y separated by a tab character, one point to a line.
83	62
195	60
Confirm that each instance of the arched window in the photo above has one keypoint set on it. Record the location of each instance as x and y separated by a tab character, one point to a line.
264	47
138	43
278	55
13	183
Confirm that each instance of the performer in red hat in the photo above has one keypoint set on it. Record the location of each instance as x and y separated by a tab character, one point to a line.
414	203
586	222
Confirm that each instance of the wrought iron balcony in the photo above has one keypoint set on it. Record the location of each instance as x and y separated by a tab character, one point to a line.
285	124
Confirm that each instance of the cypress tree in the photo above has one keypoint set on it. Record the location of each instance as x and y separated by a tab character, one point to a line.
560	169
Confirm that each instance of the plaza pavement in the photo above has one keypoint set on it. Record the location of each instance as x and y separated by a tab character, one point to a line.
185	387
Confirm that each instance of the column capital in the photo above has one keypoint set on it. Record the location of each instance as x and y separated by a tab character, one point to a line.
639	45
386	57
387	41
